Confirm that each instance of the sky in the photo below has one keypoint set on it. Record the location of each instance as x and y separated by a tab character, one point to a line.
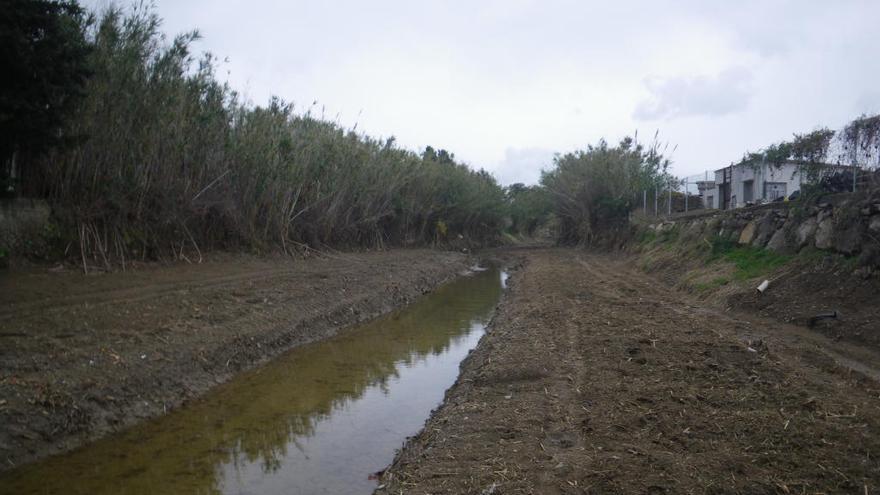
505	84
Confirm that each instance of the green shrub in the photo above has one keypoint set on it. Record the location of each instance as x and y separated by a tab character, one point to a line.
529	207
593	190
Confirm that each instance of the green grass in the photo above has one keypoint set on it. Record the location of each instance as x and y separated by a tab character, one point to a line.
750	262
647	236
665	238
814	255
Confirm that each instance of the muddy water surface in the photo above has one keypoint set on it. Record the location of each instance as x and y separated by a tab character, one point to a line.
319	419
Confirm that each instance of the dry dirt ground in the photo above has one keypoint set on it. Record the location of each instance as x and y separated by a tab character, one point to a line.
596	378
81	356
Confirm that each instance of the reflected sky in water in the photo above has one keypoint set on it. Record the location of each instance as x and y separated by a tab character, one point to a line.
319	419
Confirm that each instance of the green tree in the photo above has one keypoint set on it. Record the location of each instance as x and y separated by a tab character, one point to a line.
529	207
43	53
593	190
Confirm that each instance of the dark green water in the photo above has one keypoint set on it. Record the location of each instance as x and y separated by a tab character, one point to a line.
319	419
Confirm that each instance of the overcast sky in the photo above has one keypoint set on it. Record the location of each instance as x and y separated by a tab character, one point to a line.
505	84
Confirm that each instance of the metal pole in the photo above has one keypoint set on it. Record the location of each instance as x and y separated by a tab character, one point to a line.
645	201
706	182
685	195
669	204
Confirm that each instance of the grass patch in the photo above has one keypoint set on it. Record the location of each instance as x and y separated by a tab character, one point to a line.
647	236
670	235
750	261
820	256
664	239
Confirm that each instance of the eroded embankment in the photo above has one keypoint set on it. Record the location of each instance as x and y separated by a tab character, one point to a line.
820	260
595	378
84	356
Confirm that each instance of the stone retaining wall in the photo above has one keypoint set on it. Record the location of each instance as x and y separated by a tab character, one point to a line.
845	223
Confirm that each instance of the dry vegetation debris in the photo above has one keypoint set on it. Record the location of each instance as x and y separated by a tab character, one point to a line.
594	379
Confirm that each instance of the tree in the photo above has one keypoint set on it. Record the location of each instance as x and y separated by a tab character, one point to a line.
429	154
593	189
529	207
43	52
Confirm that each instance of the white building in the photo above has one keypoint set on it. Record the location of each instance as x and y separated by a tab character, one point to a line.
750	183
708	192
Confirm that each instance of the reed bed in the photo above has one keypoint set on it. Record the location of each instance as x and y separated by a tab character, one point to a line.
168	161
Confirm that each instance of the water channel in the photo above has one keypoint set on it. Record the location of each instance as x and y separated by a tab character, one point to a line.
319	419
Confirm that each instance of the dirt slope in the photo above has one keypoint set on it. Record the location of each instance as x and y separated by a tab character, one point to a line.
802	291
594	378
807	284
84	355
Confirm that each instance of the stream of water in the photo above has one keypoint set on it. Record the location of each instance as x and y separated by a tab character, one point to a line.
319	419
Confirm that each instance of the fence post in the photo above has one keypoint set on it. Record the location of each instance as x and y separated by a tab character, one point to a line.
686	194
669	203
645	201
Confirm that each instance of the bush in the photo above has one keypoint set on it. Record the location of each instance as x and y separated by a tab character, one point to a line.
593	190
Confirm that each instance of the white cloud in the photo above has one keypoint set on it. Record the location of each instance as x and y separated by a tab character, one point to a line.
490	80
523	165
726	93
868	103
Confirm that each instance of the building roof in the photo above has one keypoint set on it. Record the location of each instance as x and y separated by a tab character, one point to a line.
788	162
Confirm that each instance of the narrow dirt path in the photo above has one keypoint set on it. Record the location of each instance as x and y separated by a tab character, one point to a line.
596	379
81	356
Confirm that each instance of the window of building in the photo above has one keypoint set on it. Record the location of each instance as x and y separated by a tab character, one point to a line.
748	190
775	190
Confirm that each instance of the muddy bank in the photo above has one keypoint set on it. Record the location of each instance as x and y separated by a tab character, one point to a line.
84	356
595	378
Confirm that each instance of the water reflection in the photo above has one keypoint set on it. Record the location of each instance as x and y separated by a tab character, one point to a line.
317	420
